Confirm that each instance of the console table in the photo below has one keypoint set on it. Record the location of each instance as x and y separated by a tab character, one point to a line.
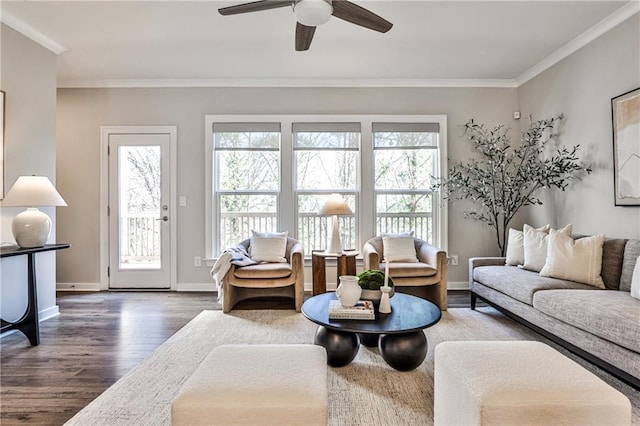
346	266
28	324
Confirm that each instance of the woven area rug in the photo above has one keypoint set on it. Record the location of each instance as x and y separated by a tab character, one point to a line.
366	392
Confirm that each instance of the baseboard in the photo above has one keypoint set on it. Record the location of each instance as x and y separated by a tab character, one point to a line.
458	285
79	287
209	287
51	312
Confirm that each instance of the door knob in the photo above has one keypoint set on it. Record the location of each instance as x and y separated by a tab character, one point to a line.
164	218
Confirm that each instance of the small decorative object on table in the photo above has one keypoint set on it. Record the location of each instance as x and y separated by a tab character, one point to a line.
371	281
385	304
362	310
348	292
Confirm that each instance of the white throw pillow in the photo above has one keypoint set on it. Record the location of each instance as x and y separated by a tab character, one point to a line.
575	260
269	247
635	280
399	249
535	246
515	246
399	234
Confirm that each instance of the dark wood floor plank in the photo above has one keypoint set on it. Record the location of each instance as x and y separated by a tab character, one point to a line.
96	339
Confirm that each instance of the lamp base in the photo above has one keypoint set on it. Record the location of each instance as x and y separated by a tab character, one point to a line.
31	228
335	245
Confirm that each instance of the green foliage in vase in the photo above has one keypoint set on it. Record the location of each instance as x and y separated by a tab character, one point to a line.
372	279
506	177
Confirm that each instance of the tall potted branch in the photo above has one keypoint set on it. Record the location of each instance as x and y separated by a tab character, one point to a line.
504	177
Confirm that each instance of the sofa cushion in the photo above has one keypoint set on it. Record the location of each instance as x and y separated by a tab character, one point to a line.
612	256
409	269
576	260
609	314
535	246
515	246
264	270
631	253
520	283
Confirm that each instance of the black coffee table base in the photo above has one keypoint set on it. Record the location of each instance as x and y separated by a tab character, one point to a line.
342	347
402	351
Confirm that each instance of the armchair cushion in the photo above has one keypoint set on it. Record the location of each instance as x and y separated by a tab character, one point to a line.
268	247
264	270
410	269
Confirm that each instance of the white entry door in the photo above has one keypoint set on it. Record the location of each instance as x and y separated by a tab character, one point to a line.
140	211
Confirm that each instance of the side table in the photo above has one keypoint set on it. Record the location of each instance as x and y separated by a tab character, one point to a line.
346	266
28	324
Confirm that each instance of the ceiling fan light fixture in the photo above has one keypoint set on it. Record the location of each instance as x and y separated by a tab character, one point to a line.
313	12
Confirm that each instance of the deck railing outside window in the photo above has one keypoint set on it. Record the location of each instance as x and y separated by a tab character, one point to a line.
142	231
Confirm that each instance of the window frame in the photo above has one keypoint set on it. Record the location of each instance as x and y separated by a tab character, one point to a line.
408	128
286	201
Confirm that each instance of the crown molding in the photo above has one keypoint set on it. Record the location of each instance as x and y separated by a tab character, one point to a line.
28	31
286	82
610	22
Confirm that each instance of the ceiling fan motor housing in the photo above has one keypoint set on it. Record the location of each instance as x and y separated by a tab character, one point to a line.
313	12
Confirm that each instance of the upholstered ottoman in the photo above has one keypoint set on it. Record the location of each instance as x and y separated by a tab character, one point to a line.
256	385
520	383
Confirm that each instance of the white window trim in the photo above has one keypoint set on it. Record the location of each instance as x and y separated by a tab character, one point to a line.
366	210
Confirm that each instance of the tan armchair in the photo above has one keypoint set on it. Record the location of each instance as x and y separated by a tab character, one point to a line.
266	279
426	279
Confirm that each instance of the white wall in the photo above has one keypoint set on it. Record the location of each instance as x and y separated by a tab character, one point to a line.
28	76
81	112
581	86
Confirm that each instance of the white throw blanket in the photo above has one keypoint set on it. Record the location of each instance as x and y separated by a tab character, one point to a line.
232	256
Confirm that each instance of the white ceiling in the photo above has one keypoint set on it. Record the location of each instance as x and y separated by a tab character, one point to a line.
502	43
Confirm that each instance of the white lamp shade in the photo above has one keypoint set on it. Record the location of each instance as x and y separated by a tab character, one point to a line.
313	12
31	191
335	206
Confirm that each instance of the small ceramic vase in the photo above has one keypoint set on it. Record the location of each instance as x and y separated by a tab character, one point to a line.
348	291
385	303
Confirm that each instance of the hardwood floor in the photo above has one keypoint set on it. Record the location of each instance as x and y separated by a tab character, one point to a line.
97	339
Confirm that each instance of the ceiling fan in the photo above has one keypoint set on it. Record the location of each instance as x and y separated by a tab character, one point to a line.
311	13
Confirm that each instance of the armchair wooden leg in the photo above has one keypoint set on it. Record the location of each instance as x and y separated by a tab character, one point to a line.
443	296
473	301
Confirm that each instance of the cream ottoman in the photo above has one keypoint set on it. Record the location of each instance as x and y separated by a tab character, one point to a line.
519	383
256	385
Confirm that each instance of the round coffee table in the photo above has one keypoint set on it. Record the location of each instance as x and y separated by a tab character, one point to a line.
398	335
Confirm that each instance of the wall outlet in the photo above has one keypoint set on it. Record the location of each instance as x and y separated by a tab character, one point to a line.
454	260
182	201
197	261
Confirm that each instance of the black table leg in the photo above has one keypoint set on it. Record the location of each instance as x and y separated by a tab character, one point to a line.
404	352
28	324
342	347
369	340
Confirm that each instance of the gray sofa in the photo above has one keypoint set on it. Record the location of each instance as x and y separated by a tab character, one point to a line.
602	326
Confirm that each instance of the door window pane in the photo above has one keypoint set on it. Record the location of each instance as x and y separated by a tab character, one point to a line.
139	197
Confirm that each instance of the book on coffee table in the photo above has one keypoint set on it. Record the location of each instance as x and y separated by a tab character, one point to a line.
363	310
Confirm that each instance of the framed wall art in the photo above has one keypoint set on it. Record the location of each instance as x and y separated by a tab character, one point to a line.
1	144
625	110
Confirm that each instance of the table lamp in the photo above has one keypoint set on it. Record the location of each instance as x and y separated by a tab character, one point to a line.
31	228
335	206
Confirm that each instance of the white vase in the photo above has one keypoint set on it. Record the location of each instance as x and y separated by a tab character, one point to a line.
348	291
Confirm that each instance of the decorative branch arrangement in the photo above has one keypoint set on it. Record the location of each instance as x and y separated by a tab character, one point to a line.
505	177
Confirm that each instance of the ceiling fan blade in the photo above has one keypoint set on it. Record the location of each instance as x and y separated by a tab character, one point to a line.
304	36
355	14
255	6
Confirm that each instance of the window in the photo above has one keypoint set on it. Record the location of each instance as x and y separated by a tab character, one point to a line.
405	158
274	173
247	180
326	161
